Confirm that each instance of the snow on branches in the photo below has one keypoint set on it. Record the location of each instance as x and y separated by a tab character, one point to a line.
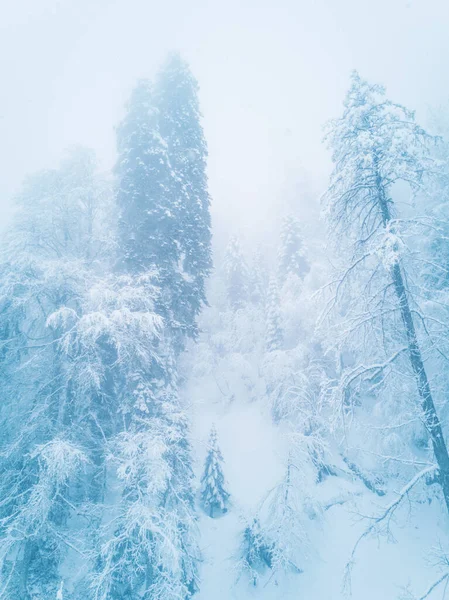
214	496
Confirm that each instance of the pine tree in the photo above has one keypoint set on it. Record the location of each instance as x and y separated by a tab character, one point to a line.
236	274
292	258
180	127
274	336
214	496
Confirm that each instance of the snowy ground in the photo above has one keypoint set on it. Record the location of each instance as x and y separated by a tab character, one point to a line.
253	451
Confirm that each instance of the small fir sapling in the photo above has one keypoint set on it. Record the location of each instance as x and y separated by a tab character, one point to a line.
214	496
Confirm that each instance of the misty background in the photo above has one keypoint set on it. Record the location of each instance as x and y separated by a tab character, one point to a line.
270	75
179	419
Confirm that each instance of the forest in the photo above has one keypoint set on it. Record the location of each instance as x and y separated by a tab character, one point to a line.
191	417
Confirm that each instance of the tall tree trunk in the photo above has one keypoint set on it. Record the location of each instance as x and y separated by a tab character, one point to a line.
430	415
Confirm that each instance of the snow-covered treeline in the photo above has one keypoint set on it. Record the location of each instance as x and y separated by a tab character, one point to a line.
101	284
171	430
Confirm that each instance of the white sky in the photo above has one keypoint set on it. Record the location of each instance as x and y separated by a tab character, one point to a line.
271	73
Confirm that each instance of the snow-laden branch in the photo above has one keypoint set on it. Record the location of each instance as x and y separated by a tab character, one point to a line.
386	514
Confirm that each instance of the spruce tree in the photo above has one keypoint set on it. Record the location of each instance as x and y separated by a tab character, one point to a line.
214	496
236	274
181	129
159	236
292	259
147	231
274	336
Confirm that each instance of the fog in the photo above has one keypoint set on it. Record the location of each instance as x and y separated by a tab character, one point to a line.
228	399
270	73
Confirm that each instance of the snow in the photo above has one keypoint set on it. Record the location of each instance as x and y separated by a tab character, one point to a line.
254	454
313	449
387	564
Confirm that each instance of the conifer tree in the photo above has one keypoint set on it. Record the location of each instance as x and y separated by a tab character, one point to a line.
214	496
292	259
274	336
157	196
181	130
147	229
236	273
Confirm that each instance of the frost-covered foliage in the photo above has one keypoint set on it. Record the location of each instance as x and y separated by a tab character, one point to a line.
214	496
163	195
64	212
276	540
256	552
95	456
180	126
330	398
292	254
242	347
274	335
390	324
288	507
147	220
236	274
35	536
148	546
148	549
48	262
259	278
377	144
433	247
241	359
347	400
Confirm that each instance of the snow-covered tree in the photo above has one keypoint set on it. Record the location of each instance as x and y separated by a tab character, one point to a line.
150	549
214	496
259	279
182	132
148	229
236	274
434	245
256	553
285	523
377	148
292	258
274	335
48	261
